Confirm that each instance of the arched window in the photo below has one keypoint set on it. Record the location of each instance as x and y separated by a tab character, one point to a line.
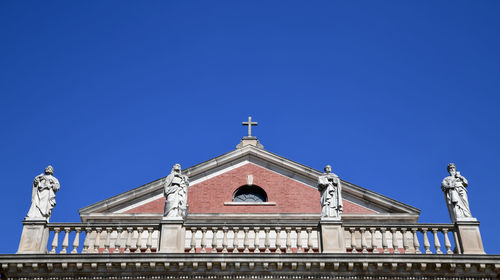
250	194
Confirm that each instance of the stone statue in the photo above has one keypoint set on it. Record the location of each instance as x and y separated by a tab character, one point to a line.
175	191
455	193
331	194
43	197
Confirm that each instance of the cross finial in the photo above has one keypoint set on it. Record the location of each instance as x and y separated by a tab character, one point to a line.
249	124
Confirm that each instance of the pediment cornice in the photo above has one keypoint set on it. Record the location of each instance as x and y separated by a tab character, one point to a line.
264	158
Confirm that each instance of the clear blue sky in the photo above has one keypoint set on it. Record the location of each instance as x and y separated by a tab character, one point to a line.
112	93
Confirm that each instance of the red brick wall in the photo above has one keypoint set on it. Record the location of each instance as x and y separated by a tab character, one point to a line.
289	195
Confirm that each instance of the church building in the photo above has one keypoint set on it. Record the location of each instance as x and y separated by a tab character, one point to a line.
249	214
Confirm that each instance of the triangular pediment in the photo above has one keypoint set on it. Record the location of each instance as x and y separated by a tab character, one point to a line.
291	188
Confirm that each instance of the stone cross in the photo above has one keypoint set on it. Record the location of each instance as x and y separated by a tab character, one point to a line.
249	124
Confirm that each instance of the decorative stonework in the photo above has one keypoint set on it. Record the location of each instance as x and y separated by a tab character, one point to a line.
256	239
175	191
270	266
249	140
455	192
43	196
331	194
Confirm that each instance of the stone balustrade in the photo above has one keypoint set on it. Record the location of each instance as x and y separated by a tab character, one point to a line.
401	239
114	238
103	238
252	239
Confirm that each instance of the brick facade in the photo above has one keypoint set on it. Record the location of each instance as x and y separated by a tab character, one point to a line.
290	196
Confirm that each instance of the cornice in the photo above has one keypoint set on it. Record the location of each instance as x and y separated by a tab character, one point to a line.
221	264
300	171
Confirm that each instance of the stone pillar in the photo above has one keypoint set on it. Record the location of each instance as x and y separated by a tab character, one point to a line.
469	237
172	236
332	236
34	238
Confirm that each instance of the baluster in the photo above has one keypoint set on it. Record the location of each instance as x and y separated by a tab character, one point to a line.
133	242
406	246
92	245
86	242
299	240
374	242
416	244
353	240
112	245
235	239
97	243
55	241
193	240
214	240
427	245
348	246
447	243
288	240
118	243
395	243
65	243
203	240
363	241
278	240
246	241
384	240
309	240
139	240
267	242
256	240
458	248
107	244
149	242
437	244
76	242
224	240
128	243
108	240
231	246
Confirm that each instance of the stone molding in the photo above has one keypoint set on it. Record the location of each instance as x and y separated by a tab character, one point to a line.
218	265
237	203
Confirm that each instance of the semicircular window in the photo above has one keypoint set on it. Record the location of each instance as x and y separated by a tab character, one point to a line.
250	194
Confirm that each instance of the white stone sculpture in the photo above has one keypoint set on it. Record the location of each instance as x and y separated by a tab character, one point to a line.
43	197
455	193
175	191
331	194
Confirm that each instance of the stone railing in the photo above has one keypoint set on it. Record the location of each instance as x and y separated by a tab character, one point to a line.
252	239
103	238
401	239
281	238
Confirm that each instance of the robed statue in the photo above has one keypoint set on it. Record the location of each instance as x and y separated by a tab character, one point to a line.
175	191
455	193
330	189
43	196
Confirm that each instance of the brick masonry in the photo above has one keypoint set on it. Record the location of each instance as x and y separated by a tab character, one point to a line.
289	195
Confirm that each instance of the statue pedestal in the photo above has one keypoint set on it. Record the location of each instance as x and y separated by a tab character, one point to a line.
172	236
249	141
332	236
34	238
469	237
